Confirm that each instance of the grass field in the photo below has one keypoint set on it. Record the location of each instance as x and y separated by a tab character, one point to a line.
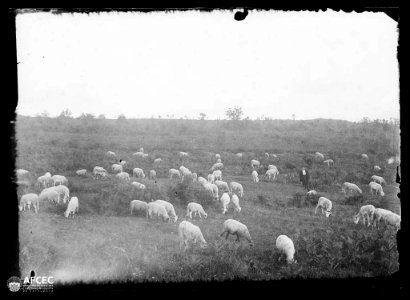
106	243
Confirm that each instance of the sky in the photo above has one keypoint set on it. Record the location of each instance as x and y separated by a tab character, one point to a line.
332	65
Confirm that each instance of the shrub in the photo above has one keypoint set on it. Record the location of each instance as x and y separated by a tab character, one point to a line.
263	200
354	199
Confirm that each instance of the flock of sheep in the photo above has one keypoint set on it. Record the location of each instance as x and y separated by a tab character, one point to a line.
55	188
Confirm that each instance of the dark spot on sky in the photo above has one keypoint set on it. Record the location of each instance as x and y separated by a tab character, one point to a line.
240	16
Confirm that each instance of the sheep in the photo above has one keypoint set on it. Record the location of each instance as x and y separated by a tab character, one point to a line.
82	172
22	173
157	160
217	156
197	209
366	212
388	217
225	200
236	188
222	185
285	245
173	172
325	205
350	187
390	160
194	177
43	181
116	168
50	195
217	166
329	162
377	168
365	156
186	173
311	193
234	227
189	233
255	163
272	167
183	154
154	208
61	190
169	208
218	161
271	173
235	201
60	179
139	206
138	172
273	155
239	154
319	155
378	179
138	154
202	180
29	199
217	174
122	162
152	175
267	155
255	176
145	155
111	154
211	178
215	190
374	186
124	176
138	185
208	187
141	150
99	172
47	174
72	207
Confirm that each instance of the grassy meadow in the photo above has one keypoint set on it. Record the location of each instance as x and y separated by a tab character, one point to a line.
106	243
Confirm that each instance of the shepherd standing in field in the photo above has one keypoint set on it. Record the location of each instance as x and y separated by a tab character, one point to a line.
304	178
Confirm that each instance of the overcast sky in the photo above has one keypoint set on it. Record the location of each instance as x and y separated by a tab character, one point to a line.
314	65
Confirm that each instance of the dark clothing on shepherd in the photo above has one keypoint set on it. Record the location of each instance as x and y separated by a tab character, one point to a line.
304	178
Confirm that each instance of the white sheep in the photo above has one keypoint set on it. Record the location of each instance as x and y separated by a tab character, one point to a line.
99	172
377	168
255	177
329	162
138	172
59	179
325	205
378	215
202	180
225	200
138	185
152	175
194	177
217	166
239	154
141	149
217	156
285	245
189	233
111	154
273	155
236	188
72	207
169	208
366	212
62	190
365	156
197	209
175	172
116	168
145	155
387	216
217	174
47	174
272	167
139	205
82	172
122	162
158	210
235	202
50	195
350	187
255	163
374	186
222	185
29	199
124	176
218	161
184	171
234	227
271	173
138	154
183	154
215	190
157	160
319	155
22	173
211	178
378	179
43	181
208	187
311	193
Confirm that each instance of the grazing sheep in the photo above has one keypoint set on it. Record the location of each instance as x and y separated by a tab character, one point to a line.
185	172
124	176
319	155
329	162
72	207
59	179
99	172
255	177
215	190
387	216
211	178
183	154
225	200
194	177
61	190
217	174
152	175
272	167
208	187
139	206
173	172
239	154
154	208
122	162
43	181
189	233
217	156
138	172
217	166
285	245
197	209
218	161
138	154
82	172
50	195
271	173
267	155
366	212
138	185
222	185
350	187
325	205
111	154
29	199
377	168
169	208
202	180
374	186
235	201
365	156
378	179
255	163
22	173
236	188
116	168
273	155
234	227
157	160
311	193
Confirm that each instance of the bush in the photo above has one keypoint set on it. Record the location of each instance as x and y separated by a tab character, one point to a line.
354	199
185	192
263	200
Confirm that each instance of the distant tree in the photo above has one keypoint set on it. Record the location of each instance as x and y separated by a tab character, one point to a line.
101	116
86	116
202	116
66	113
235	113
121	117
44	114
293	117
